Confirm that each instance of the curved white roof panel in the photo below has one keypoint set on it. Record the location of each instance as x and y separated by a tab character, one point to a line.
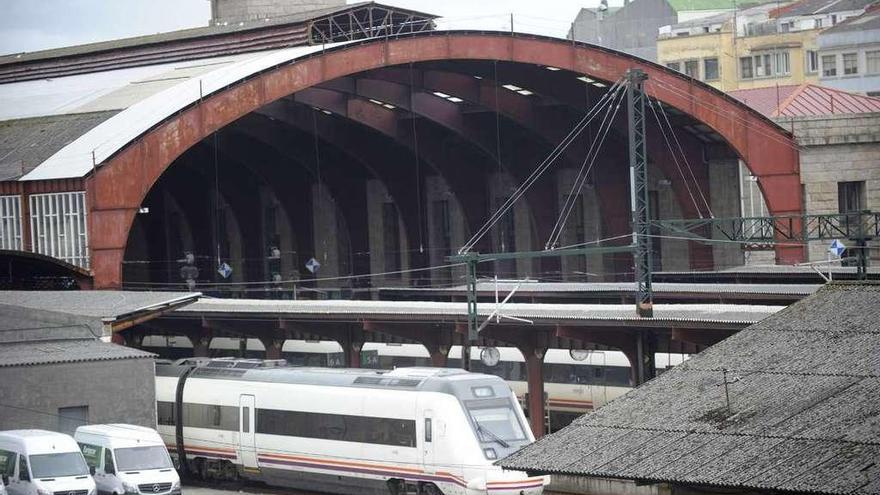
149	95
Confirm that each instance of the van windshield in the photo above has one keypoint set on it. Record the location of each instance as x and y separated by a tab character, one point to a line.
142	458
58	465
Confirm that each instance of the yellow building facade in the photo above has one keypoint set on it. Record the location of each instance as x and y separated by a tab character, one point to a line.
729	62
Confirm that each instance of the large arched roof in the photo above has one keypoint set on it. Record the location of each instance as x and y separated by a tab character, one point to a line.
154	133
95	146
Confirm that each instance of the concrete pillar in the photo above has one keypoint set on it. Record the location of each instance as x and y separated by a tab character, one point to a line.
201	345
535	375
439	356
273	347
646	347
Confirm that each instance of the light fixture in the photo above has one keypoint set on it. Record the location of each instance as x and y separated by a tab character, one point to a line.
525	92
441	94
599	85
511	87
552	68
585	79
455	99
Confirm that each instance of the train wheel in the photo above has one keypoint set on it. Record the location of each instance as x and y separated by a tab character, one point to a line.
429	489
396	487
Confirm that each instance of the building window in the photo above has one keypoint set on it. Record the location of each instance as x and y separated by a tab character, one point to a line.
782	63
829	65
692	69
818	23
812	61
763	65
59	226
391	238
746	69
710	69
674	65
10	222
850	63
872	62
851	196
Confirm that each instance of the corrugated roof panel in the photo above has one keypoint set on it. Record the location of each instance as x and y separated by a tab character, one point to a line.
75	159
805	100
803	412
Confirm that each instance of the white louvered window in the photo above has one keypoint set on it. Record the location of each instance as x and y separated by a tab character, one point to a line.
10	222
58	226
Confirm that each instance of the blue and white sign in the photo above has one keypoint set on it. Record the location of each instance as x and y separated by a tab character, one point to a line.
837	248
224	270
312	265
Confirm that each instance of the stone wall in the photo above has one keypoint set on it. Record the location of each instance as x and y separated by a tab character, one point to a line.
837	148
118	391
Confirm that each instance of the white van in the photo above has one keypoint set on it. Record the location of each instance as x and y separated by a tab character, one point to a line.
128	459
39	462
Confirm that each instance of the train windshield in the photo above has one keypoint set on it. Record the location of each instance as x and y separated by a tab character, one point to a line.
496	421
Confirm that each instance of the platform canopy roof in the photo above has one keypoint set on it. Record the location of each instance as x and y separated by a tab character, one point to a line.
802	416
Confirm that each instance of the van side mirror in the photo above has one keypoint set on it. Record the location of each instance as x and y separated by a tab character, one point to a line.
92	470
5	479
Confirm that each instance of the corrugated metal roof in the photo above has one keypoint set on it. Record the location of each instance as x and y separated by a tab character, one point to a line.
198	32
805	100
734	314
26	143
810	7
658	287
98	144
65	351
868	21
93	303
803	415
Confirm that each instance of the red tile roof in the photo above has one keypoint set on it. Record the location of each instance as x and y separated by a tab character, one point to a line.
804	100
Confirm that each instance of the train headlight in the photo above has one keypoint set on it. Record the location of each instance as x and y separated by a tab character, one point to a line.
490	453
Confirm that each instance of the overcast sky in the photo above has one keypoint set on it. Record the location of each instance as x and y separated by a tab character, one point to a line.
30	25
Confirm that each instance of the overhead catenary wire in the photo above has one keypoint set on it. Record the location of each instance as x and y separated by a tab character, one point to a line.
542	167
683	156
684	179
583	173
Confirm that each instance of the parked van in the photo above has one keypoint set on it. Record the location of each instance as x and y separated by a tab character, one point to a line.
128	459
39	462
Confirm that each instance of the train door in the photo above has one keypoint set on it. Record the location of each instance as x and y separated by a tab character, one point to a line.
247	450
428	439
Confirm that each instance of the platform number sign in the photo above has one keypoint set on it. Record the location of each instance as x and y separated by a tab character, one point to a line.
312	265
836	248
224	270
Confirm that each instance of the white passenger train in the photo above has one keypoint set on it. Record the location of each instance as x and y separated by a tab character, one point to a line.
344	430
573	386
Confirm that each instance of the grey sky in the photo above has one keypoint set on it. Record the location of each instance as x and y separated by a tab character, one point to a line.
31	25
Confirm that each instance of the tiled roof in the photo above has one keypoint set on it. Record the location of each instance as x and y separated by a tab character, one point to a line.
94	303
65	351
804	413
805	100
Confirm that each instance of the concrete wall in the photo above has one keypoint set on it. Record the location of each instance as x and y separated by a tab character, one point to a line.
119	391
231	11
632	29
436	190
725	201
837	148
377	196
327	235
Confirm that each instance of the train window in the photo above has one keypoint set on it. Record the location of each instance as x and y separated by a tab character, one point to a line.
246	420
383	431
165	413
597	372
428	432
210	416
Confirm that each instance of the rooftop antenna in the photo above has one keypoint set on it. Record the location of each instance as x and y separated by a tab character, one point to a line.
727	382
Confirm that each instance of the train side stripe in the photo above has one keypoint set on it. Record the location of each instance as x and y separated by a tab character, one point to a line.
397	473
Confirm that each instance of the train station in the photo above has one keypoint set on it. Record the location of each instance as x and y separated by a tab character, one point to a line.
330	247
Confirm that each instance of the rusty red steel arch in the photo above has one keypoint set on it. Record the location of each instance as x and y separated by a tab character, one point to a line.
117	188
